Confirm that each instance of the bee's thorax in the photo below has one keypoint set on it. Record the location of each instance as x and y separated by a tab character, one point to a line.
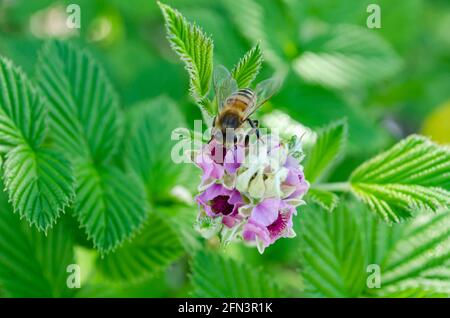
230	118
232	115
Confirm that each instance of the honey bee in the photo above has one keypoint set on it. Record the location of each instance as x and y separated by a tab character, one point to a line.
235	106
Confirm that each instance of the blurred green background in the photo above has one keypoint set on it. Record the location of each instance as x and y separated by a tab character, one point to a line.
388	82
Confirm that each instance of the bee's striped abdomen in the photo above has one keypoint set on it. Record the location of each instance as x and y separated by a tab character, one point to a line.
241	99
246	93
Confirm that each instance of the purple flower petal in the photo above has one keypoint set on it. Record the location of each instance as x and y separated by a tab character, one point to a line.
235	197
269	221
215	159
266	212
292	164
220	201
295	178
234	158
253	231
209	168
220	205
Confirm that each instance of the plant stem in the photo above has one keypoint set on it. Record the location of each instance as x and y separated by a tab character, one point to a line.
334	187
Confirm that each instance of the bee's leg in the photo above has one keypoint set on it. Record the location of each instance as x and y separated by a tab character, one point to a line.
254	124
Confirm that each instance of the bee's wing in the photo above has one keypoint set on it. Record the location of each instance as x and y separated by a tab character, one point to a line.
264	91
224	85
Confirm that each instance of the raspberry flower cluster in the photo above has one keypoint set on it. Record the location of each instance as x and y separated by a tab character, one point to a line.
250	192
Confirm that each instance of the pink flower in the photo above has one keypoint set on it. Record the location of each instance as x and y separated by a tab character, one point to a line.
215	160
217	201
269	220
252	199
295	181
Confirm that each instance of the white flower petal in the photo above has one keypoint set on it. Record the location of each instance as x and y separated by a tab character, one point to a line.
244	177
206	184
256	187
260	245
229	181
246	210
295	202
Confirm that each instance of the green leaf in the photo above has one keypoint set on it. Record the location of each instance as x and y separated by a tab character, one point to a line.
22	113
194	47
85	122
152	250
181	218
420	259
38	180
337	249
148	149
396	16
251	20
347	56
412	176
248	67
33	264
325	199
362	123
83	106
39	183
414	293
217	276
332	254
326	151
110	204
